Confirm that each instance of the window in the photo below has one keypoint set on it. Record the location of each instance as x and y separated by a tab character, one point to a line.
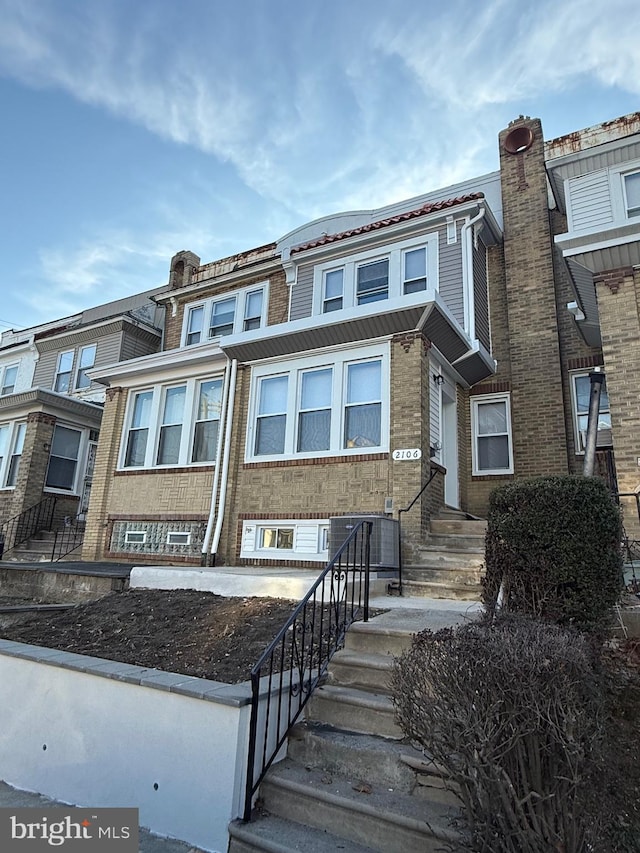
272	416
86	362
237	311
314	418
491	423
9	380
171	429
135	537
276	537
311	408
222	314
63	460
372	281
207	425
5	432
16	454
405	268
175	537
253	310
581	392
139	430
333	288
632	193
63	371
363	405
414	270
173	425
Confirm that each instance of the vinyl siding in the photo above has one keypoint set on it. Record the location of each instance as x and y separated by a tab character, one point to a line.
302	294
450	273
589	204
480	296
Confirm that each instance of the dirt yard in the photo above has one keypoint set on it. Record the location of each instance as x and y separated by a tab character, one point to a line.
195	633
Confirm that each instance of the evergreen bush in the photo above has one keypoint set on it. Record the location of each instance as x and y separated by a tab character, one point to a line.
553	543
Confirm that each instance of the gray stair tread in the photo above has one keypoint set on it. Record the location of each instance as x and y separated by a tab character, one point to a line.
279	835
376	800
354	696
351	657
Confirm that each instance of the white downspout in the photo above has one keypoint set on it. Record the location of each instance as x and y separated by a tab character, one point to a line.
469	302
226	420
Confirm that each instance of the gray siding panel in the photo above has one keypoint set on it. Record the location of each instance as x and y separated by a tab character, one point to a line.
301	304
107	352
590	201
450	273
46	369
480	295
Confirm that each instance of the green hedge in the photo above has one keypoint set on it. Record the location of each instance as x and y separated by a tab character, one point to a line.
554	542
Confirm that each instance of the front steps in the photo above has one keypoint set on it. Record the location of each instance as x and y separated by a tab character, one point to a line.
451	563
350	781
40	547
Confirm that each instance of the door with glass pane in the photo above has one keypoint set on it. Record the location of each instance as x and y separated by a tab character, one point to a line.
88	478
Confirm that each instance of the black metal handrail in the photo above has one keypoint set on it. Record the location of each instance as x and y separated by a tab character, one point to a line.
66	540
433	470
22	527
630	547
289	670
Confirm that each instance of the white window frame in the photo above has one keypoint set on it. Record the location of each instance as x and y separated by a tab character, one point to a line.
142	541
624	175
241	297
59	373
476	402
82	452
187	436
3	385
184	533
575	414
339	361
304	530
16	436
82	368
394	254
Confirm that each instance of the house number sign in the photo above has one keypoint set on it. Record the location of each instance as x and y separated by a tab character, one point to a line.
411	453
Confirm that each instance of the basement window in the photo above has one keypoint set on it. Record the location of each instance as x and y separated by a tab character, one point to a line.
135	537
175	537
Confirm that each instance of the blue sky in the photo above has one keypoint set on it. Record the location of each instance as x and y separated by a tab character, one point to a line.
133	129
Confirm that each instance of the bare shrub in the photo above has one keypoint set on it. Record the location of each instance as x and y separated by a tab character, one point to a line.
512	710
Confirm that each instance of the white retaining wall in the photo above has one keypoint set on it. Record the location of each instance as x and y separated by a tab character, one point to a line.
98	733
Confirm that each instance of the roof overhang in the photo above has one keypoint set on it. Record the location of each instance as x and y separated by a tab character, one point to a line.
52	403
425	312
605	249
179	363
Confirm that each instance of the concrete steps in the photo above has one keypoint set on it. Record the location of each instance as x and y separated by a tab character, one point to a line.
350	780
39	548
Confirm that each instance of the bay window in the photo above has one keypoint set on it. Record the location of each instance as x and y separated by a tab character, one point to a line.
234	312
414	270
16	454
333	289
63	371
312	408
372	281
86	361
173	425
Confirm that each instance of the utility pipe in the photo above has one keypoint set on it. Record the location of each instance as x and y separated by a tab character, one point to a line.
468	255
596	378
216	477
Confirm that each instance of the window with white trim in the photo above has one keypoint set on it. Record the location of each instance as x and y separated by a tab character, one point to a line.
178	537
285	539
492	448
63	459
580	396
9	376
320	406
135	537
231	313
631	183
86	361
375	275
173	425
64	369
19	432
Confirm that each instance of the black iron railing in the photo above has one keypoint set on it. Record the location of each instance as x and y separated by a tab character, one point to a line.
22	527
286	675
433	470
630	547
66	540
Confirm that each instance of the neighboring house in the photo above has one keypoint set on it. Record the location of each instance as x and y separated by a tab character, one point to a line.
326	374
50	410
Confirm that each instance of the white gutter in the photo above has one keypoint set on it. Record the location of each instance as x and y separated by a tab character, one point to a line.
469	302
224	446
